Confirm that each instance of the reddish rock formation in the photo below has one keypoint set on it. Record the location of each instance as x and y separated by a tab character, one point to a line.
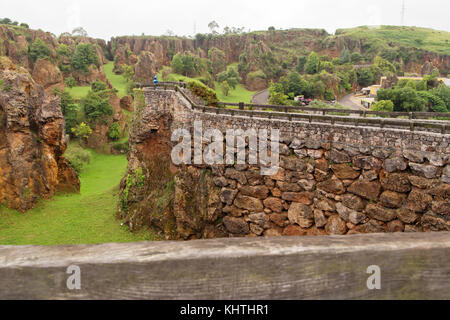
47	75
32	142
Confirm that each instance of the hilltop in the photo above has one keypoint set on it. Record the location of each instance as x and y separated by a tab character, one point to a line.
408	37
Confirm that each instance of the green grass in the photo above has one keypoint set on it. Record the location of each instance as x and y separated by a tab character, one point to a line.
423	38
78	92
240	94
118	81
85	218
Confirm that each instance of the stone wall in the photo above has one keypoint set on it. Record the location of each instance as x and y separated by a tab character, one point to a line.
333	179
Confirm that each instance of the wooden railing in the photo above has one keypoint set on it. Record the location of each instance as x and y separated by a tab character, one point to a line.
410	266
412	121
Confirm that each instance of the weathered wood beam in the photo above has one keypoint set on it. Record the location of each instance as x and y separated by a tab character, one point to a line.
412	265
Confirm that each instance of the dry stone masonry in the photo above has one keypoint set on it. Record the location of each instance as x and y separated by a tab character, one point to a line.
333	179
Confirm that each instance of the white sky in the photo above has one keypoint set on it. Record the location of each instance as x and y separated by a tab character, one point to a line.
107	18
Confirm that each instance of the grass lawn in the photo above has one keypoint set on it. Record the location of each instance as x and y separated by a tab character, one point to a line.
85	218
118	81
240	94
78	92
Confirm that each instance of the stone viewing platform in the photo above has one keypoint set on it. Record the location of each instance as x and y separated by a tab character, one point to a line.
334	178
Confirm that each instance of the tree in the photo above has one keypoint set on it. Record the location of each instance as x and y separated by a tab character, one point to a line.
25	25
84	56
301	64
213	25
69	110
186	64
383	105
277	96
434	103
365	77
271	28
345	56
231	76
128	72
169	33
6	21
443	92
225	88
70	82
404	99
82	131
218	60
312	64
96	106
114	132
356	57
39	50
99	86
80	32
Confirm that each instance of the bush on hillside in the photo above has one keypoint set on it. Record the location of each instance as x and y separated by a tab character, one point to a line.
96	106
39	50
200	90
99	86
115	132
84	56
78	158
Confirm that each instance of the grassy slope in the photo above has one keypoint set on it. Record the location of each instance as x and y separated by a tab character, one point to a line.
423	38
240	94
78	92
118	81
85	218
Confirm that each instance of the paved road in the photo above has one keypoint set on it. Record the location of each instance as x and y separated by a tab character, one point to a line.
351	101
261	97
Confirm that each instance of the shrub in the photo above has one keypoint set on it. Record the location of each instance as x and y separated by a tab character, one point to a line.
115	132
122	147
65	68
62	50
98	86
69	110
82	131
383	106
39	50
231	76
84	56
78	158
70	82
96	106
200	90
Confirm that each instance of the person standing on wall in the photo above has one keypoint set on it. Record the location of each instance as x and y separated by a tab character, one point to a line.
155	81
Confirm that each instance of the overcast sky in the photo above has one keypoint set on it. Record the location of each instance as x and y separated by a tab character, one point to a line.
108	18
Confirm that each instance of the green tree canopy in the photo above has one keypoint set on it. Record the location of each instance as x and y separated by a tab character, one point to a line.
84	56
39	50
312	63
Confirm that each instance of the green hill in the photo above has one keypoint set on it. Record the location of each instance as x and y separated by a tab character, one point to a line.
409	37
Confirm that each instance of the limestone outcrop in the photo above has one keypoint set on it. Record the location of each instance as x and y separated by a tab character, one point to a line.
32	141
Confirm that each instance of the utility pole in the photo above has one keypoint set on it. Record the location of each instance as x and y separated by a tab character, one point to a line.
403	12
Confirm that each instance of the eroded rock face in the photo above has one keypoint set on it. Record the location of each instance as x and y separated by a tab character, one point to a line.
32	142
47	75
146	68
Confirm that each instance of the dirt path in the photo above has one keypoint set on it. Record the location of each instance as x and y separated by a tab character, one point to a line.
352	102
261	97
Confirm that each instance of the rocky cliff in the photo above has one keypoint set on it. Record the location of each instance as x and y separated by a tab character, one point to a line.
255	49
16	42
32	141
